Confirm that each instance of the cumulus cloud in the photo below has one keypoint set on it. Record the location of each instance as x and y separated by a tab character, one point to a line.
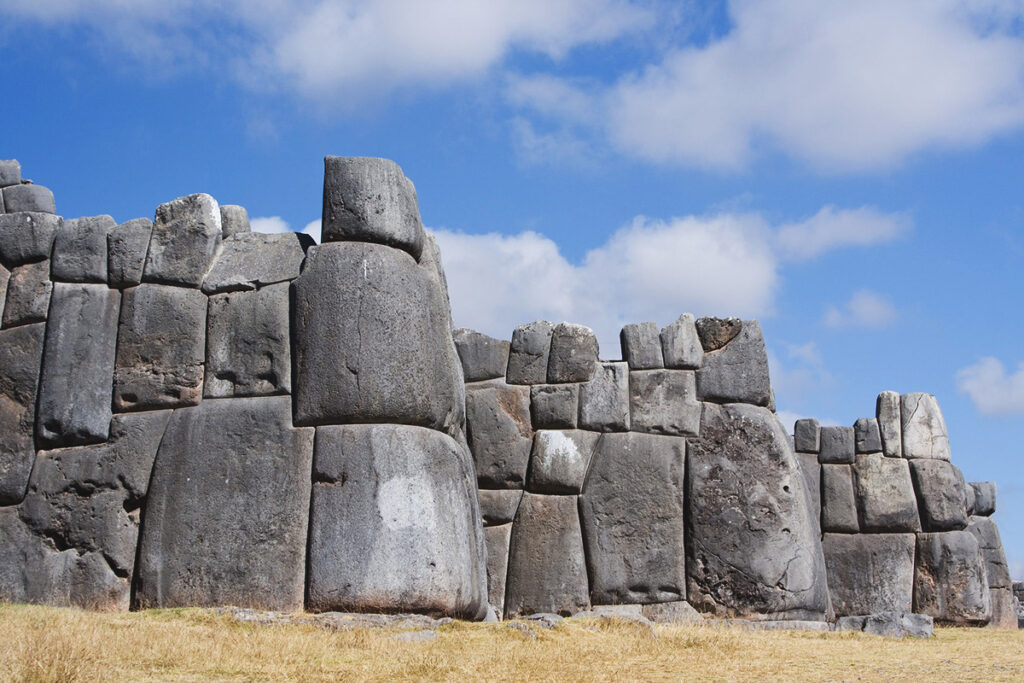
276	224
991	388
831	228
865	309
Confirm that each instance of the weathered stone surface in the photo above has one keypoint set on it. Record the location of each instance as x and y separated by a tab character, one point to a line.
890	425
28	294
924	428
866	436
737	372
482	357
251	260
604	400
889	625
573	354
716	333
10	172
633	519
838	500
34	198
751	547
497	538
21	352
837	446
680	344
185	236
499	433
127	245
554	406
941	495
547	571
498	506
373	340
227	510
641	346
248	350
27	237
1004	614
5	276
559	461
161	346
234	220
984	498
987	534
949	579
664	402
80	249
677	613
370	200
807	436
811	469
870	573
529	353
78	365
395	525
885	495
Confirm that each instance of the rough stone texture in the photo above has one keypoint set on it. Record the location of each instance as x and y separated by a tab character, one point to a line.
10	172
866	436
248	350
28	294
838	500
677	613
499	433
78	365
634	532
373	340
604	400
751	546
529	353
737	372
984	498
890	425
870	573
5	276
1004	615
949	579
680	344
127	245
554	406
573	354
499	506
924	428
27	237
252	260
395	525
837	446
559	461
889	625
987	534
497	538
21	351
885	495
807	436
80	249
811	469
185	236
547	571
641	346
161	346
34	198
226	514
716	333
941	495
234	220
370	200
482	357
664	402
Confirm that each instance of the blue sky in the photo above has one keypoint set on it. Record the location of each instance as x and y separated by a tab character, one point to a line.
847	173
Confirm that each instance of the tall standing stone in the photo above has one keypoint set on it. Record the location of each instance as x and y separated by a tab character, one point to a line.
186	232
924	428
838	500
890	425
21	351
497	539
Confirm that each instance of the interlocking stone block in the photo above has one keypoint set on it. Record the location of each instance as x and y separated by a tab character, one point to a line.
870	573
807	436
837	446
941	495
234	220
186	232
866	436
885	495
529	353
680	344
664	402
21	352
738	371
80	249
949	579
482	357
127	245
559	460
499	433
984	498
10	172
838	500
27	237
996	569
573	354
811	469
554	406
924	428
251	260
497	539
890	424
28	294
641	346
498	506
34	198
604	400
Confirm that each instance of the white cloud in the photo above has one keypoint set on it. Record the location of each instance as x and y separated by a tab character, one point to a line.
831	228
865	309
799	372
993	391
276	224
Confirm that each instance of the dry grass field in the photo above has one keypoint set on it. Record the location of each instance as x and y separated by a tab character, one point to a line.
46	644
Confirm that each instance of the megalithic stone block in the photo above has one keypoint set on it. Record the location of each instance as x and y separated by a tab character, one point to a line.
890	424
560	460
1005	613
986	532
529	353
497	539
604	400
924	428
838	500
127	245
866	436
482	357
80	249
395	524
664	402
641	346
28	294
227	511
885	495
736	372
498	506
680	344
807	436
234	220
941	495
27	237
870	573
21	352
186	232
984	496
949	579
811	469
573	354
10	172
78	365
253	260
34	198
837	446
499	433
554	406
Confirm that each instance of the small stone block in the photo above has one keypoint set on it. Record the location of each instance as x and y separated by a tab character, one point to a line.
80	249
559	460
28	294
554	406
234	220
806	436
573	354
604	400
529	353
664	402
837	446
498	506
10	172
641	346
35	198
127	245
866	436
984	497
27	237
482	357
680	344
885	495
186	232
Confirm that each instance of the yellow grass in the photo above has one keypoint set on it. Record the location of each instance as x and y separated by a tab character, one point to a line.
47	644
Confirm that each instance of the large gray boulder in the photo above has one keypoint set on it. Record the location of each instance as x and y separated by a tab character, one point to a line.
633	519
28	198
885	495
497	539
924	428
664	402
949	579
837	446
499	433
529	353
560	460
127	245
554	406
395	524
254	260
838	500
482	357
498	506
738	371
870	573
21	352
185	236
680	344
641	346
28	294
80	249
27	237
890	425
604	400
227	512
573	354
941	495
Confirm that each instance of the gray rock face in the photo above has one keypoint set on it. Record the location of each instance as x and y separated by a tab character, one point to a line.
529	353
554	406
751	548
811	469
34	198
738	371
984	498
949	579
547	572
28	294
837	446
497	539
559	461
234	220
251	260
161	346
499	506
5	276
867	438
482	357
395	525
664	402
78	365
604	400
870	573
373	340
890	625
890	424
838	500
370	200
885	495
641	346
941	495
248	349
715	333
985	531
924	428
231	481
127	245
10	172
679	613
21	351
806	436
634	534
499	433
80	249
573	354
185	236
1004	615
680	344
27	237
